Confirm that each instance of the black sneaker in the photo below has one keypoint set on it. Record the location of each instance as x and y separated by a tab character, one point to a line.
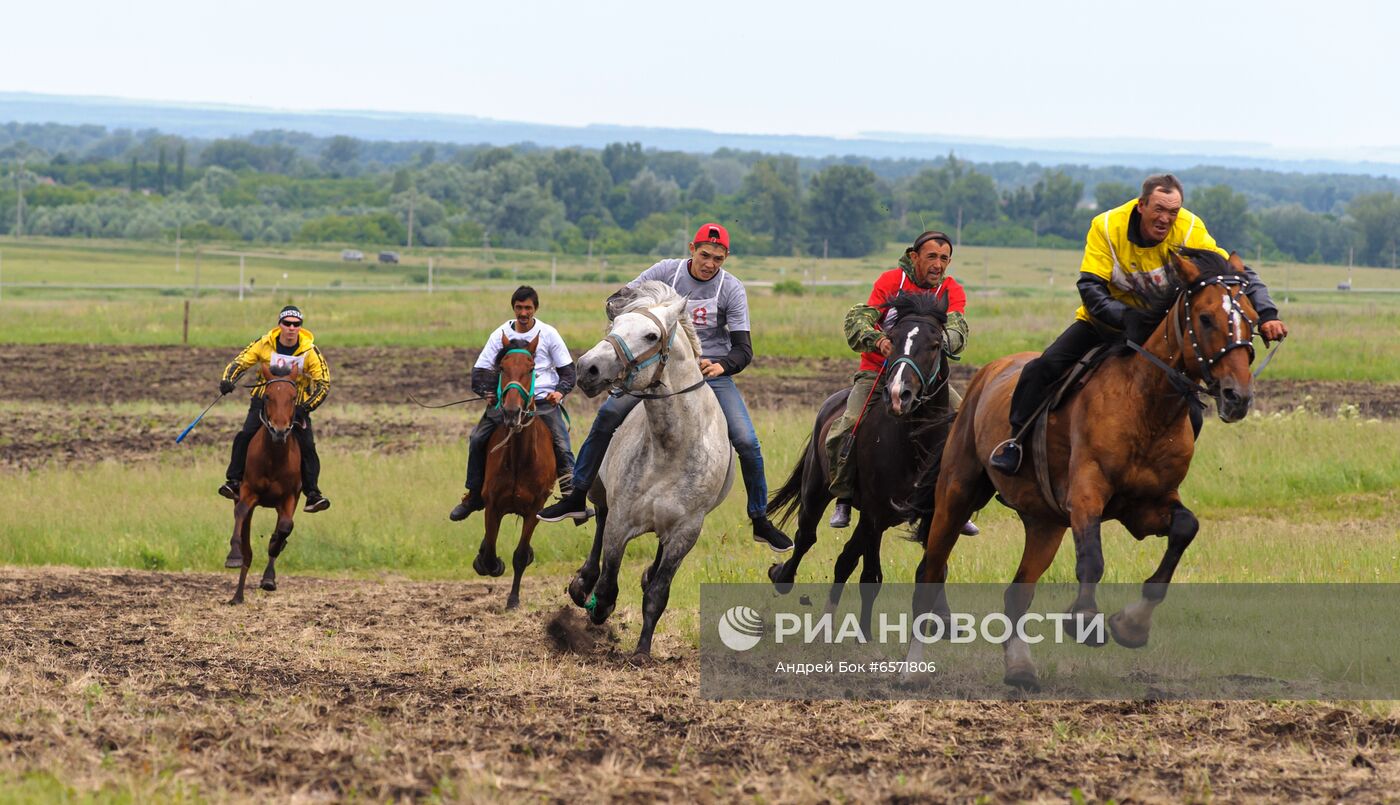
316	502
575	506
1006	458
470	503
229	490
765	533
841	517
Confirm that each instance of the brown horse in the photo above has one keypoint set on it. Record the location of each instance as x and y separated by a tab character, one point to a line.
1118	450
520	464
272	478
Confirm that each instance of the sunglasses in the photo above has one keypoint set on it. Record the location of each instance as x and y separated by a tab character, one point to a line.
286	323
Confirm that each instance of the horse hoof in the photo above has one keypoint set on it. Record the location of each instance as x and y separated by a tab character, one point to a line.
482	569
1084	633
1022	678
513	602
234	560
268	584
578	592
641	659
234	601
1123	632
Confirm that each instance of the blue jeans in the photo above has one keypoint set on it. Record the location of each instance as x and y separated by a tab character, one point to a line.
491	419
741	435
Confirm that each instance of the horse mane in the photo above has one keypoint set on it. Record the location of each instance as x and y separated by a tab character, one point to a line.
929	305
1140	323
654	293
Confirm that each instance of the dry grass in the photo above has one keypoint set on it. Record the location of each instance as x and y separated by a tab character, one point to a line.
142	684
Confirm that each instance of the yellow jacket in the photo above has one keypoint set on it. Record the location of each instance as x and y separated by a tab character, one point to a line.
1134	272
314	381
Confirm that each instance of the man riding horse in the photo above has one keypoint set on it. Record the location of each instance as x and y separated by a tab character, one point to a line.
719	310
554	378
1127	255
288	345
922	270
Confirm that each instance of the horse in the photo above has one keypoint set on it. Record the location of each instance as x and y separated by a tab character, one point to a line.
893	486
670	463
271	478
1117	450
519	464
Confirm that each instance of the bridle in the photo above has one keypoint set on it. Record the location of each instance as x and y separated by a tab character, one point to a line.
278	435
529	394
658	354
941	373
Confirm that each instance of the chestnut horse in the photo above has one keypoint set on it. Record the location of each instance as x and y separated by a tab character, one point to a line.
520	465
272	478
1118	450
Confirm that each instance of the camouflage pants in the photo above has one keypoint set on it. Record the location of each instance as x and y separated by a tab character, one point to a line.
842	469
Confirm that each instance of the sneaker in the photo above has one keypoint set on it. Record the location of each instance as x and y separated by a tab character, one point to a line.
1007	457
316	502
970	529
229	490
575	506
470	503
765	533
841	518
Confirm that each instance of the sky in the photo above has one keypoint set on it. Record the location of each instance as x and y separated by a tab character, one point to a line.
1294	76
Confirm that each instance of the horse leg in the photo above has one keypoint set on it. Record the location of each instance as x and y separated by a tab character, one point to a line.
846	562
1042	543
587	575
487	563
1087	497
604	598
241	511
963	489
522	558
285	510
245	547
1131	626
871	577
672	549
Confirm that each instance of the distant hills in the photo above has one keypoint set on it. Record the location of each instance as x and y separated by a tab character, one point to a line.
213	120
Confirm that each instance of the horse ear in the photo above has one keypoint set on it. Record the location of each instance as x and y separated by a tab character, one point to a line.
295	372
1236	263
266	371
505	340
534	343
677	308
1186	269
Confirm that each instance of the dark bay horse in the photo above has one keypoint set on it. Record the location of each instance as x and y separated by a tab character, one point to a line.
897	449
1118	450
272	478
519	464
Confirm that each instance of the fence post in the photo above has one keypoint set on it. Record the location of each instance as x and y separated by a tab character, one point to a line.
185	337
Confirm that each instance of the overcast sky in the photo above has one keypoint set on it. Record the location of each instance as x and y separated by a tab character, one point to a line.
1315	75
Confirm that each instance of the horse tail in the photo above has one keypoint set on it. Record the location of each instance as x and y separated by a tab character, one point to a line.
784	503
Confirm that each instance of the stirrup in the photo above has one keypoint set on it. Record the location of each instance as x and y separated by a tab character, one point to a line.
1006	457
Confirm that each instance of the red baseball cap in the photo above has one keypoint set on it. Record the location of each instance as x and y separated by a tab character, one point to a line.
712	233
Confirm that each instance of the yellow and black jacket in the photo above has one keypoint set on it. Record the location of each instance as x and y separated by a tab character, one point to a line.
1114	254
314	381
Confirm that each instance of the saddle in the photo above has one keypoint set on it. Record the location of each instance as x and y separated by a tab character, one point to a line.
1063	391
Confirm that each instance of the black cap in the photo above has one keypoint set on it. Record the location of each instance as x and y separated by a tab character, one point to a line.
932	234
293	311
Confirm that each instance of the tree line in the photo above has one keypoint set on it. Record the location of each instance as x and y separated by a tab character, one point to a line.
280	187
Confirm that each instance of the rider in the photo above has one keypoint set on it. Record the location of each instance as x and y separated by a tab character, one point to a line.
287	345
922	269
1126	257
554	378
719	309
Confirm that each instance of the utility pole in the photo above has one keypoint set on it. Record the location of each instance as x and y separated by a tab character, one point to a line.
410	221
959	235
19	199
240	278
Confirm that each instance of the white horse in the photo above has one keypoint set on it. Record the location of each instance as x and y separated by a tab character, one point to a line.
670	462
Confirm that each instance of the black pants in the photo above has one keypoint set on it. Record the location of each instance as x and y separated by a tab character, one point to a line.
1040	375
310	462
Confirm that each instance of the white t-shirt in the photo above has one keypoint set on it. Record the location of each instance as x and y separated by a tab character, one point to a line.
549	355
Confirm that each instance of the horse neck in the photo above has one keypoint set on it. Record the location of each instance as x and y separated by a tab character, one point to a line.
1161	402
667	416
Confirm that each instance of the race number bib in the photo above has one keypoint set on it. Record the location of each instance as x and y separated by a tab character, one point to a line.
281	363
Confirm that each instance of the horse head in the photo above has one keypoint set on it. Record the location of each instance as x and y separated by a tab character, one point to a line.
1215	321
916	369
634	354
515	384
280	393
